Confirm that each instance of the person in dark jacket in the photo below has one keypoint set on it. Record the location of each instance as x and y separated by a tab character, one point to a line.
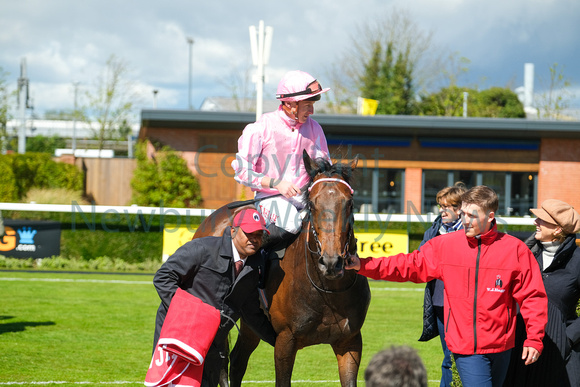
554	246
205	268
449	220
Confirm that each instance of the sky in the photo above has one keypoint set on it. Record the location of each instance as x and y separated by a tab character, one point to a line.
66	41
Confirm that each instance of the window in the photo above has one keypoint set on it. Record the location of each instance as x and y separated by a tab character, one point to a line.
390	191
523	193
497	182
517	191
378	190
433	182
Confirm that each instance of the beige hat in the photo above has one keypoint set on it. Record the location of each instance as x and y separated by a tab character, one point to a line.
558	212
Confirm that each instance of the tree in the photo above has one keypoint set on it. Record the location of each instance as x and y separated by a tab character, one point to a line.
389	52
495	102
340	100
110	104
556	96
389	82
5	115
164	180
448	101
241	88
370	82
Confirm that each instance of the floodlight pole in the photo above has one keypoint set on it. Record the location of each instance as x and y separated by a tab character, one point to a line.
260	44
190	42
74	135
22	104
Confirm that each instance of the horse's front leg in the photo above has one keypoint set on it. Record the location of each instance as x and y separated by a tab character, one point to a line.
284	357
348	355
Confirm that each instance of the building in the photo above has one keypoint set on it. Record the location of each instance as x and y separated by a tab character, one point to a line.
404	160
58	128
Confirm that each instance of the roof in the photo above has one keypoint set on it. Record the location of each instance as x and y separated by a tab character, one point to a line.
378	126
60	128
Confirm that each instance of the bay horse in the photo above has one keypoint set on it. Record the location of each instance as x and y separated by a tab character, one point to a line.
312	299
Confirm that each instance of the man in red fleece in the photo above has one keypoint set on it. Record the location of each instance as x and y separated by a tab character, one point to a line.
485	273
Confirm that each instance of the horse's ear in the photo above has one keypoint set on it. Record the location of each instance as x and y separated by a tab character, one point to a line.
308	163
354	162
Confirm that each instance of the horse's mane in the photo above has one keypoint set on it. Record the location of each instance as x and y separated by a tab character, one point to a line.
324	167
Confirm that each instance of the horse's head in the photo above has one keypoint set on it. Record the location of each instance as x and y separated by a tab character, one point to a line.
330	202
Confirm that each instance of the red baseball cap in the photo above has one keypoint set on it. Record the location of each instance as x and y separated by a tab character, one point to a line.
250	221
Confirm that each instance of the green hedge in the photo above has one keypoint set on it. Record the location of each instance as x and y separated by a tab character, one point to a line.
20	172
8	188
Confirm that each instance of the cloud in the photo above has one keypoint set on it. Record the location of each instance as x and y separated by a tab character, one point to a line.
64	41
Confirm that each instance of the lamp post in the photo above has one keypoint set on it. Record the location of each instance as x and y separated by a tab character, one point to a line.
155	91
260	43
190	42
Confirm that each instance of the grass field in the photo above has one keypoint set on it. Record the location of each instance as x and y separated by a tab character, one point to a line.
70	329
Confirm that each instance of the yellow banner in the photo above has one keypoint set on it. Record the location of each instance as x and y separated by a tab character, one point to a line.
174	238
368	244
382	244
367	106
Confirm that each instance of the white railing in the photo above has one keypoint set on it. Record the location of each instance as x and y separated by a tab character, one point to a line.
203	212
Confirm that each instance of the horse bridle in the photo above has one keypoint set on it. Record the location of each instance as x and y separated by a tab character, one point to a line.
317	240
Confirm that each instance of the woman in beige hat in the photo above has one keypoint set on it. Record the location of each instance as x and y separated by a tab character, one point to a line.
554	246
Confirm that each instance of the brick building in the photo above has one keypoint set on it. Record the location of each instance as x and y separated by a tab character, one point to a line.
404	160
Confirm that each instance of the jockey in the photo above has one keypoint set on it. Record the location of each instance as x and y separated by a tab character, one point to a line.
269	158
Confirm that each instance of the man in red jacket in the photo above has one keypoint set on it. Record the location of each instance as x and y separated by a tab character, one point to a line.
485	273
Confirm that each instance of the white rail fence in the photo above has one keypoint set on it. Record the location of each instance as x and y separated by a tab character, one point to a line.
203	212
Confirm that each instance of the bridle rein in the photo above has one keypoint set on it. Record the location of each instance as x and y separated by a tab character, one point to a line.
317	240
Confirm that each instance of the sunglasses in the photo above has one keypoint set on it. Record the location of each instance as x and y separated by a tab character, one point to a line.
313	87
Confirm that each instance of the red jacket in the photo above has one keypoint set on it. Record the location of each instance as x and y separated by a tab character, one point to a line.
484	278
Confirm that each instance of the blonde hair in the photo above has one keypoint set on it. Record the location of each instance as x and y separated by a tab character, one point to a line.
560	236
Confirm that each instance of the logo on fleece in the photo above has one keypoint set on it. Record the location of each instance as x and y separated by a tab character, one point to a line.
498	288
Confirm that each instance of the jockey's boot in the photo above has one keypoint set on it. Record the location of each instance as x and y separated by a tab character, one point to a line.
275	242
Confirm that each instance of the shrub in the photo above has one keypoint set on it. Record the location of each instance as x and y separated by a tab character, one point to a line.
44	144
58	175
8	189
99	264
54	196
164	180
37	170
